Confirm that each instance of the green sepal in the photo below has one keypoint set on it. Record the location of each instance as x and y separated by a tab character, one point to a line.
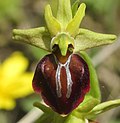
73	25
103	107
63	40
53	24
38	37
75	7
64	13
87	39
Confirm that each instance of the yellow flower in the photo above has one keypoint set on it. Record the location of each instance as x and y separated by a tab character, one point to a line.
14	81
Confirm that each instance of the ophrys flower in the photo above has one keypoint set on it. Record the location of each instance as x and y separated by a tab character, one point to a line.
64	77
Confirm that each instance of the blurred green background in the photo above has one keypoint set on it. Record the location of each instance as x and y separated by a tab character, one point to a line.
101	16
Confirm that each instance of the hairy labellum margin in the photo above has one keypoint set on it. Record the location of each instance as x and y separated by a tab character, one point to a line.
62	86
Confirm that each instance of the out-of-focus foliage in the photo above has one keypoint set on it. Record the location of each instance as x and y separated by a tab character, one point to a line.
105	10
102	6
15	82
10	9
10	13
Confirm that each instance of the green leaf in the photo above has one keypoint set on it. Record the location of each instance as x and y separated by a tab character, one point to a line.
38	37
103	107
64	13
53	24
87	39
73	25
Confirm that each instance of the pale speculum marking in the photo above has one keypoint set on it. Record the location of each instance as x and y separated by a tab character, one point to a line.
69	80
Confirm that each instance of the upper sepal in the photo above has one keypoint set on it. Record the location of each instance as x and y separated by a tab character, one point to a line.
38	37
64	13
87	39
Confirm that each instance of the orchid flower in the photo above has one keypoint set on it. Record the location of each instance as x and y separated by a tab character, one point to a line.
66	78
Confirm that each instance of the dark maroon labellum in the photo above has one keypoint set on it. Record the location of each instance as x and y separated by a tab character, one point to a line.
62	86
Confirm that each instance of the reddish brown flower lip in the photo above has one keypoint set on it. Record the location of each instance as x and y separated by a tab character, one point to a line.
62	86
